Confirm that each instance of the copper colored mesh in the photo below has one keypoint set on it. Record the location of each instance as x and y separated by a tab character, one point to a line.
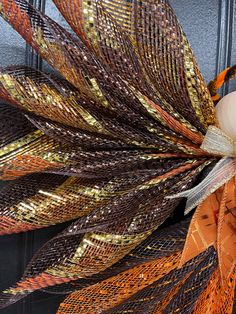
218	297
152	275
114	290
171	294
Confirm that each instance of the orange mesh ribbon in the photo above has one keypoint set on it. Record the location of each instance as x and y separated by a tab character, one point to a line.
214	224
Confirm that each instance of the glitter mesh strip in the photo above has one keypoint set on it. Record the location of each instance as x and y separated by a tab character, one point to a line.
104	24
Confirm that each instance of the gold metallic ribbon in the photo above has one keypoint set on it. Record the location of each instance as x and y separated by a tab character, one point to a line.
215	142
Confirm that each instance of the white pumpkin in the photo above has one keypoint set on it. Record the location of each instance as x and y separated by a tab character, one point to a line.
226	114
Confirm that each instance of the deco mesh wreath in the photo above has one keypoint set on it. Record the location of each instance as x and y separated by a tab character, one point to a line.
106	144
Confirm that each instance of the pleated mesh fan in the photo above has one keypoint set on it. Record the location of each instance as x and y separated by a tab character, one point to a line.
103	142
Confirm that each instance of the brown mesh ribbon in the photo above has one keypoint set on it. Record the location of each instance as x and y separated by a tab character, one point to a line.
103	145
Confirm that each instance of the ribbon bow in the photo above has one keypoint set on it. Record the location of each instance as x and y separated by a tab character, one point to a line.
214	221
216	142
